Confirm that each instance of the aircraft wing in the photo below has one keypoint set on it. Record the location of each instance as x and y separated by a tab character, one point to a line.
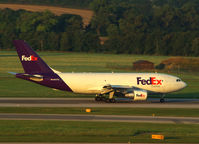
116	88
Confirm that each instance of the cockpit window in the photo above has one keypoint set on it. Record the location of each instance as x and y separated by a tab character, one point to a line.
178	80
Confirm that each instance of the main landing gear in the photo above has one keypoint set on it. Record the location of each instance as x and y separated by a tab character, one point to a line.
100	97
97	98
112	100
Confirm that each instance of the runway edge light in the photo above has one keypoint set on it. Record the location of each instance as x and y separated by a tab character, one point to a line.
160	137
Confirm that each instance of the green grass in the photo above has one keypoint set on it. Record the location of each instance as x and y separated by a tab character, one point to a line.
106	111
66	131
71	131
78	62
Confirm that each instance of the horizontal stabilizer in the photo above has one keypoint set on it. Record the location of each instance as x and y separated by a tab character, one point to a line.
35	76
13	73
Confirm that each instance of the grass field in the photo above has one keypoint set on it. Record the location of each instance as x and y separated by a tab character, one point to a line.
78	62
66	131
85	14
75	131
106	111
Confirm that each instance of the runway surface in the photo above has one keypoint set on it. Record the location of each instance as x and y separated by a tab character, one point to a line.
89	102
111	118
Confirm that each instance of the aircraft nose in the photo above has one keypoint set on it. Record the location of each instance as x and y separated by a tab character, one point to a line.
184	84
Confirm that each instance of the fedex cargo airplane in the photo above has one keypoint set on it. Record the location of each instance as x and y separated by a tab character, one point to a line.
106	86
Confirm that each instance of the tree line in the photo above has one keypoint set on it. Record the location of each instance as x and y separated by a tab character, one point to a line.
45	31
161	27
152	27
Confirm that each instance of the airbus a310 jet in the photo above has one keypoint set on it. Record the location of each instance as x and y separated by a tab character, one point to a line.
106	86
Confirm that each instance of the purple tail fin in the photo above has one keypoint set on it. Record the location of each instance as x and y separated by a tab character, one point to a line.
31	62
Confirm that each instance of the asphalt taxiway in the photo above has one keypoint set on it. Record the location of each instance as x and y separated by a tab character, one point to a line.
89	102
111	118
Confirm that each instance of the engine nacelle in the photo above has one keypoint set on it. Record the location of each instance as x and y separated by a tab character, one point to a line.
130	95
140	94
137	94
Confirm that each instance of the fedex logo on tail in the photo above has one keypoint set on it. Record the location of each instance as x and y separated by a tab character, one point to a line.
150	81
30	58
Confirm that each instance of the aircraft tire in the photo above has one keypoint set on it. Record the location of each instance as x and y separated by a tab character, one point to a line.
112	100
103	99
162	100
107	100
98	99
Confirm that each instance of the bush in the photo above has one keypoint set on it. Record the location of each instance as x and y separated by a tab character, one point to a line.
161	66
180	64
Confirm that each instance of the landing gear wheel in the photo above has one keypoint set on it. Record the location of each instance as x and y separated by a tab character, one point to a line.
103	99
98	98
162	100
112	100
107	100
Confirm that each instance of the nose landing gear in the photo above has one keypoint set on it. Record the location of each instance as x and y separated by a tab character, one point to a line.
162	100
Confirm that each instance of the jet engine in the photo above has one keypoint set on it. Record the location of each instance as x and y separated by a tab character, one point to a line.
137	95
140	95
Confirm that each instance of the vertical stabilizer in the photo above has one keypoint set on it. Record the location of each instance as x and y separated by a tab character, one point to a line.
36	70
31	62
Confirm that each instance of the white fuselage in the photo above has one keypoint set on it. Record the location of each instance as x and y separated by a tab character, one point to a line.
92	83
